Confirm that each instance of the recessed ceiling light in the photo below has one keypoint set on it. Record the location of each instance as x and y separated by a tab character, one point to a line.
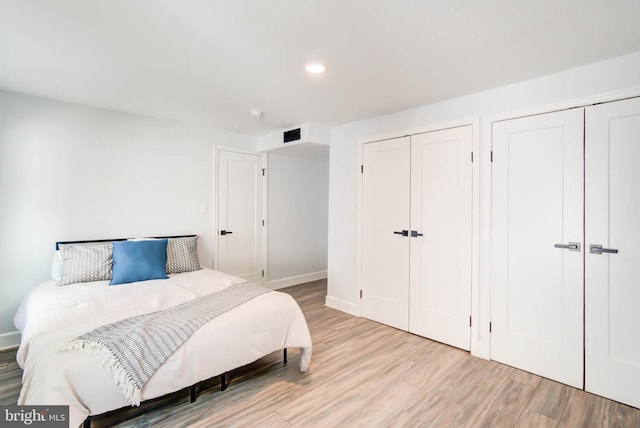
254	112
315	68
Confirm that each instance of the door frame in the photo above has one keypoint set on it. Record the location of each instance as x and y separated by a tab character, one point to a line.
216	205
474	122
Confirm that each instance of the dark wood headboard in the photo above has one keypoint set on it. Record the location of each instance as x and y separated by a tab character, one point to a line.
117	239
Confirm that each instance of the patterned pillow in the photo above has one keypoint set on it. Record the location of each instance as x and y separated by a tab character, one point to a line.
182	255
85	262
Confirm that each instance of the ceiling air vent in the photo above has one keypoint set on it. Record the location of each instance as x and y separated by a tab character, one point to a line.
291	135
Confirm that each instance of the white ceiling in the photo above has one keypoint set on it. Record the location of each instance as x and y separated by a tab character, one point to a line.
210	61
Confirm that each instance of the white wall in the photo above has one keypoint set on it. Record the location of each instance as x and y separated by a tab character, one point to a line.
573	87
298	189
71	172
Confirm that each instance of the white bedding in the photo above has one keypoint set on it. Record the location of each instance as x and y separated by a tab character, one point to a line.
52	315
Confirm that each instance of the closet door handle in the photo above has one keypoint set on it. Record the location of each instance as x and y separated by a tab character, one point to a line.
225	232
415	234
403	233
597	249
571	246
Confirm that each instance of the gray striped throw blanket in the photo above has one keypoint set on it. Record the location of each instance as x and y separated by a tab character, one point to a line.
133	349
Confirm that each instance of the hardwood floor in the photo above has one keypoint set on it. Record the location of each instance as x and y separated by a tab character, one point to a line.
370	375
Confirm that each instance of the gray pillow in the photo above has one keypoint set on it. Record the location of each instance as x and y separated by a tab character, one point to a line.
85	262
182	255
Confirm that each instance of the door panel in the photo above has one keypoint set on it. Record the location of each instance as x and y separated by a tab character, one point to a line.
612	283
537	289
441	210
240	212
385	209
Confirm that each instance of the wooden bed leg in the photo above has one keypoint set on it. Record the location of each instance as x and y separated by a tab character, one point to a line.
87	422
285	355
192	393
223	381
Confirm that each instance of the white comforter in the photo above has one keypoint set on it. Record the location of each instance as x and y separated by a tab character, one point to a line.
52	315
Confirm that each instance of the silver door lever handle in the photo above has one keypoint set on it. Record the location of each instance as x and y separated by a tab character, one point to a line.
571	246
597	249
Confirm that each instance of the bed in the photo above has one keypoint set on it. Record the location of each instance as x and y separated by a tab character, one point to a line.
52	315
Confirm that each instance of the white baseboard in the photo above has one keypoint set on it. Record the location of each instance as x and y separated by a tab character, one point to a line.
342	305
295	280
9	340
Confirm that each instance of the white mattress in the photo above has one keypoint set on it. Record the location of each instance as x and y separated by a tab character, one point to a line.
52	315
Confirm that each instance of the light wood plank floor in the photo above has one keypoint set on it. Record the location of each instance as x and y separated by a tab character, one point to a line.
369	375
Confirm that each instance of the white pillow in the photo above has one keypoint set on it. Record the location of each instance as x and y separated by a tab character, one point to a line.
56	265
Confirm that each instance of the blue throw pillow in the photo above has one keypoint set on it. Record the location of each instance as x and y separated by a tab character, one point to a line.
139	261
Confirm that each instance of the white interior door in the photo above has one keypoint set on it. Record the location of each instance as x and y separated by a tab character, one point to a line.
240	214
537	203
441	211
385	214
612	220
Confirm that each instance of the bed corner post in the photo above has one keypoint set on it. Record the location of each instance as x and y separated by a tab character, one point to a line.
284	354
193	393
223	381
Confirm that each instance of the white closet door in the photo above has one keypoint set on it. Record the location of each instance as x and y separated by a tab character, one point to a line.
240	214
385	251
612	284
537	202
441	204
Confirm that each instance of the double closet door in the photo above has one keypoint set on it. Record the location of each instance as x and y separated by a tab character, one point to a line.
416	234
566	244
